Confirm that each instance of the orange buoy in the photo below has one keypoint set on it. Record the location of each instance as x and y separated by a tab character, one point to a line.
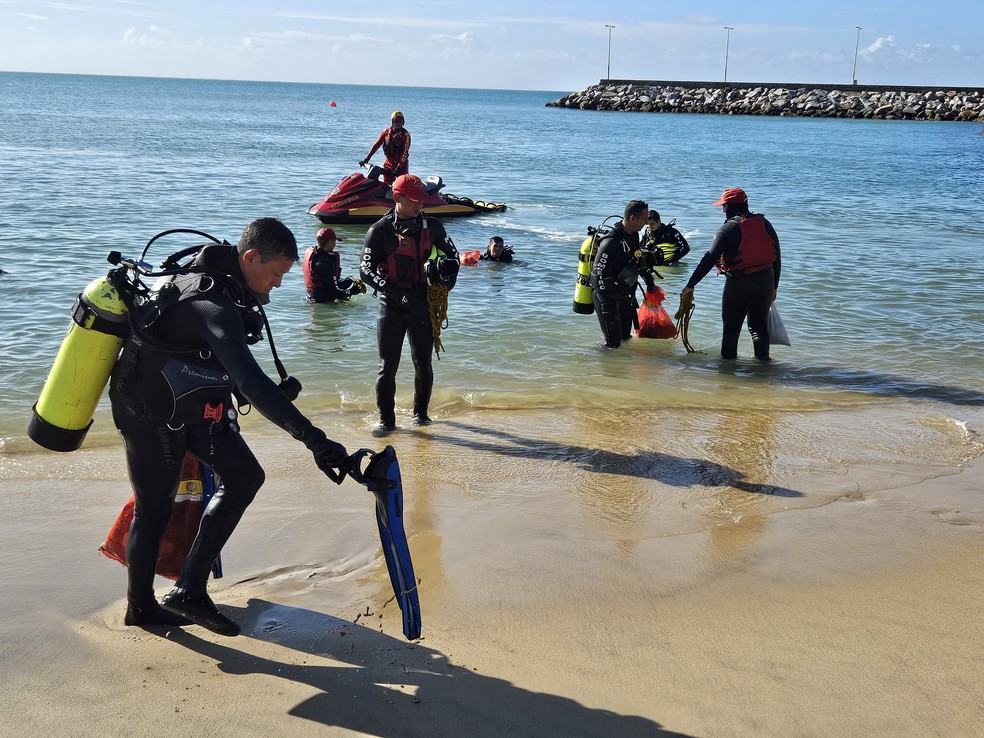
332	104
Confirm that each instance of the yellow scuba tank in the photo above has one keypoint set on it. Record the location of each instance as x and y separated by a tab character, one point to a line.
582	289
63	413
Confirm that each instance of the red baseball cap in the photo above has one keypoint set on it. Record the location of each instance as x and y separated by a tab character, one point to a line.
327	234
410	186
735	194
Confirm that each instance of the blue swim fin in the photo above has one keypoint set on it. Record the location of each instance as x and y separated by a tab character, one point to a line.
382	478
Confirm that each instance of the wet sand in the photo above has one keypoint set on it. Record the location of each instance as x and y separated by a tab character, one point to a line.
567	587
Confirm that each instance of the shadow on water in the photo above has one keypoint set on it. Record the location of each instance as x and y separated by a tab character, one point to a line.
873	383
386	687
670	470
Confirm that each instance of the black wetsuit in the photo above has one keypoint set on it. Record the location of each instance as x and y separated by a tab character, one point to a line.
197	348
613	280
403	309
666	233
505	256
747	293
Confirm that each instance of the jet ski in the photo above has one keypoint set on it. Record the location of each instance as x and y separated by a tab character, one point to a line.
365	198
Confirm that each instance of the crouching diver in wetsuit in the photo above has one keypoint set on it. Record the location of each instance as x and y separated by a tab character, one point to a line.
171	391
616	273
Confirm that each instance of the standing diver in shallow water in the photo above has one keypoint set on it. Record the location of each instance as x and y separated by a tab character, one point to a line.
171	391
615	275
406	253
746	249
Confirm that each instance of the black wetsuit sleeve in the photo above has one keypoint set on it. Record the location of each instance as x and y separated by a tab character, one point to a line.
218	323
374	254
725	240
441	239
777	264
683	248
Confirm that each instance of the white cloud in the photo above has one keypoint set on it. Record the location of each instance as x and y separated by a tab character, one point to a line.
133	37
879	44
922	52
462	39
32	16
383	20
158	38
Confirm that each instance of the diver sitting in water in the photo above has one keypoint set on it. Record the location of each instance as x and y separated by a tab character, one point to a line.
497	251
664	240
322	269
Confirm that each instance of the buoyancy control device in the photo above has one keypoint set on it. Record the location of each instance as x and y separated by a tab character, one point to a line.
104	315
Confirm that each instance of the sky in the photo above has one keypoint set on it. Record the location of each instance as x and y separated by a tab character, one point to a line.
501	44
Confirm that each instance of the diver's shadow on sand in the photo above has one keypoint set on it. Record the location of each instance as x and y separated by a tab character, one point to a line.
382	686
670	470
848	380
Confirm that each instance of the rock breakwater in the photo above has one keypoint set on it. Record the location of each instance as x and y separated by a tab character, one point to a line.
831	101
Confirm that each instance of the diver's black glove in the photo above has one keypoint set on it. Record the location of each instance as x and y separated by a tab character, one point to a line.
647	277
328	455
441	270
357	287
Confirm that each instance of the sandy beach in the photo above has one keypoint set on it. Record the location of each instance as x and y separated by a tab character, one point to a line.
565	590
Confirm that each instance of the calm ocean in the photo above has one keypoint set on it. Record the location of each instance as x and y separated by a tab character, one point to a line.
879	221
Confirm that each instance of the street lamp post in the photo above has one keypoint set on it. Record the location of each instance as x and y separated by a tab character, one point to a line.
609	50
857	42
727	45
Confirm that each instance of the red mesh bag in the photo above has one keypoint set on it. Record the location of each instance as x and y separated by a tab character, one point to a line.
654	321
181	530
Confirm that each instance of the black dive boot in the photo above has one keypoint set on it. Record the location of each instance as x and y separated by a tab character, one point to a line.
387	424
151	613
197	606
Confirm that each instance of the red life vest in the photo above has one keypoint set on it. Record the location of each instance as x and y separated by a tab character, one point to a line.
756	251
311	280
405	265
395	142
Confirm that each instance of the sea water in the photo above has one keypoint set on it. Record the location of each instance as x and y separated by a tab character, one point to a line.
879	223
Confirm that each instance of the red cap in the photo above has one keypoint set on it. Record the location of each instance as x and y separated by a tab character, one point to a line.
326	234
410	186
735	194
